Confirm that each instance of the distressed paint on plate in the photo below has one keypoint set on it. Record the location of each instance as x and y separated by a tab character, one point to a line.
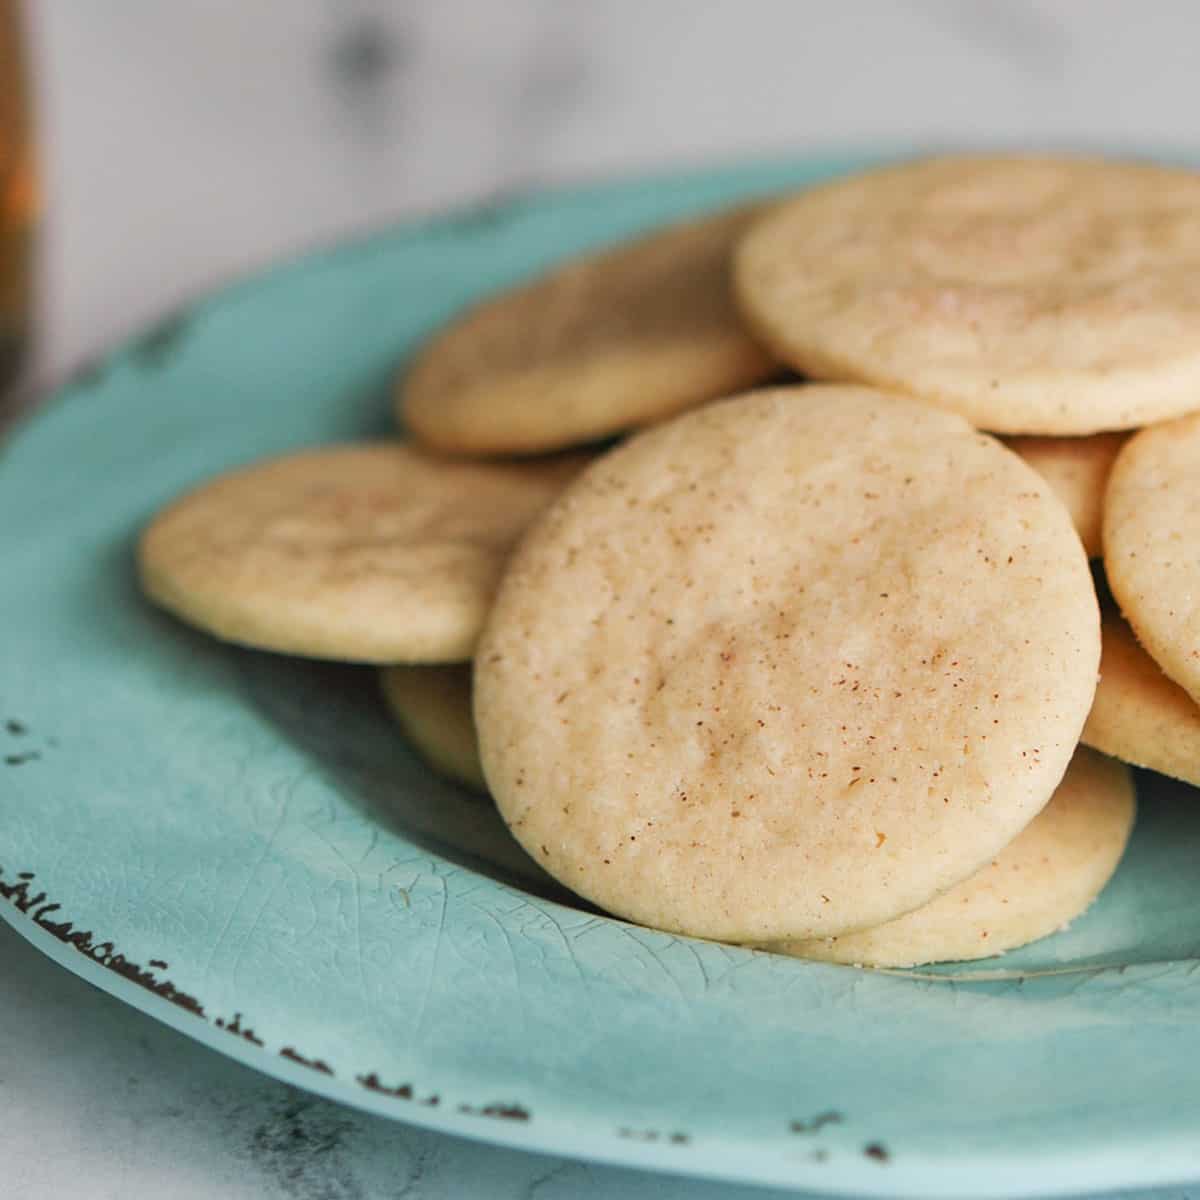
241	845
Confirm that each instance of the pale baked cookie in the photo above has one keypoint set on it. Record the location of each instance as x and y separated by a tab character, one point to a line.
617	340
433	706
1043	879
1151	534
1032	295
1138	714
366	553
1077	469
787	665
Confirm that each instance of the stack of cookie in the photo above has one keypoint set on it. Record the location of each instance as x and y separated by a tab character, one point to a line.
798	665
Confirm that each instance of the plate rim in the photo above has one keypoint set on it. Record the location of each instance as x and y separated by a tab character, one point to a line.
919	1176
915	1175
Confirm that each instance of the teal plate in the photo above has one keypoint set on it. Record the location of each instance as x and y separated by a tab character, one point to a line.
243	847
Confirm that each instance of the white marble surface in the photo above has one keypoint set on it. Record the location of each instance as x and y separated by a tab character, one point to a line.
188	142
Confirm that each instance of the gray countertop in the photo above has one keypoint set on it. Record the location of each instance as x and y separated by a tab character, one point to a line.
190	142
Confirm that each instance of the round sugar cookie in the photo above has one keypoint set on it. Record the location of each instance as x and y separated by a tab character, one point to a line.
1049	295
432	704
1139	715
365	553
1151	533
1042	880
610	342
787	665
1077	469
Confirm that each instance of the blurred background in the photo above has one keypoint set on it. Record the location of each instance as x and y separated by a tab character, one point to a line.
183	143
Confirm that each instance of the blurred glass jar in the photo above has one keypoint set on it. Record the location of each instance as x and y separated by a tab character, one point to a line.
18	195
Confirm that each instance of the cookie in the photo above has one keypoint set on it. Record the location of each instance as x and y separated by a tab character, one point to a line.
1033	295
1139	715
614	341
1077	469
365	553
788	665
1042	880
1151	530
433	706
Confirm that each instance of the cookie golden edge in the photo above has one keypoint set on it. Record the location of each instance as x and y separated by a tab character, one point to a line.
1118	399
1088	635
1077	469
1139	715
365	613
432	706
553	405
1151	516
1047	877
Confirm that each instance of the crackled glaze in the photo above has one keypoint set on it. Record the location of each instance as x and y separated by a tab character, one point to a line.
251	833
